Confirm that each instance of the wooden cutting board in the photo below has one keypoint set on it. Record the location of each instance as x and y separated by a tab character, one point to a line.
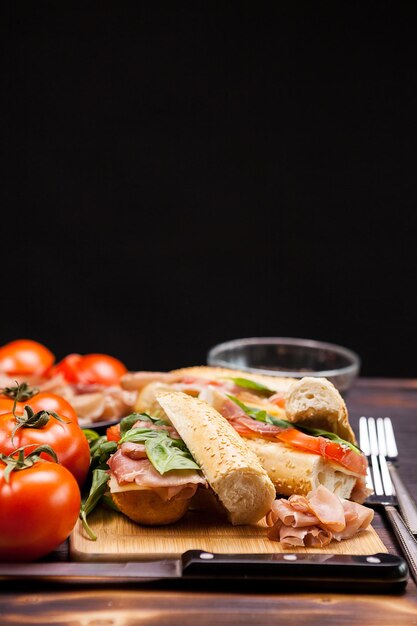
119	539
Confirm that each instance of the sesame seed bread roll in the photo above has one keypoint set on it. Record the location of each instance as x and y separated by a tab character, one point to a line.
233	472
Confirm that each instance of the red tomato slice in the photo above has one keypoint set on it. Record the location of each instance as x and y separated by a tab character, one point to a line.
277	399
343	455
113	433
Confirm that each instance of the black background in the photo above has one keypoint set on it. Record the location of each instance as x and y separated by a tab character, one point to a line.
180	174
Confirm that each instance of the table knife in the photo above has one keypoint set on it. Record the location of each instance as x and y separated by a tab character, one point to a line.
377	572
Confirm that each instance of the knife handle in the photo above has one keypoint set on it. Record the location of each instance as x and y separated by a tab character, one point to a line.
377	572
407	504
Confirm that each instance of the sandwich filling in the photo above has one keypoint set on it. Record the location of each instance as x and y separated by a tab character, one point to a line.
152	456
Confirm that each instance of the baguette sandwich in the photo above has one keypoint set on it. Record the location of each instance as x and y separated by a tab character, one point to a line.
298	428
160	464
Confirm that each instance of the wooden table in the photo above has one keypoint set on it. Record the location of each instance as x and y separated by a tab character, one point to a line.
119	605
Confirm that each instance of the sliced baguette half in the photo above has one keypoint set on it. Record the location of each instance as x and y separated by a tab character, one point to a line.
316	402
232	470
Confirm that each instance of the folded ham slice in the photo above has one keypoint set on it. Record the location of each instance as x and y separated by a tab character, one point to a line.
314	520
173	484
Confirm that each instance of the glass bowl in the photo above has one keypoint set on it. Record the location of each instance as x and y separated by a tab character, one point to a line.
285	356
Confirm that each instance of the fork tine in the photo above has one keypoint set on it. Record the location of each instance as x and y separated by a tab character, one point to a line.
380	433
373	440
386	478
363	436
378	487
392	450
366	449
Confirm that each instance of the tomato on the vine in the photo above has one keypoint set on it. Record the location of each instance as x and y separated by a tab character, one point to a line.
44	401
90	369
40	504
25	357
63	434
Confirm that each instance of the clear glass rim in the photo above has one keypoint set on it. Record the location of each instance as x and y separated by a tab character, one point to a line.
214	360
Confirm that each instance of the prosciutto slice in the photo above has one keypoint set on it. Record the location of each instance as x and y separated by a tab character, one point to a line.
314	520
180	484
92	403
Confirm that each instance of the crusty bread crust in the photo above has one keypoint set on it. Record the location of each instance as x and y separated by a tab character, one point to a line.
317	403
230	468
275	383
146	507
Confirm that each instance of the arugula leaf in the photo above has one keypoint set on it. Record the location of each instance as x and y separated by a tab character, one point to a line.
245	383
101	452
128	422
140	435
97	490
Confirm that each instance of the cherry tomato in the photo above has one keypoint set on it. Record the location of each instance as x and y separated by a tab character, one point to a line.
39	508
24	357
345	456
65	437
99	369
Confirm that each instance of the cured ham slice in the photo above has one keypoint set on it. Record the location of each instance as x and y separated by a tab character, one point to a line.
314	520
173	484
92	403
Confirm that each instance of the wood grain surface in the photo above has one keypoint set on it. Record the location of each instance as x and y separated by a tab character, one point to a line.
116	606
119	539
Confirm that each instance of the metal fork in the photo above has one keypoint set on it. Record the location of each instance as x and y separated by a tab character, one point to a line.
373	444
380	434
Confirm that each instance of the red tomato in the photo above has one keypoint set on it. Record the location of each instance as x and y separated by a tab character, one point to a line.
6	405
90	369
42	401
39	508
65	437
24	357
68	368
343	455
45	401
113	433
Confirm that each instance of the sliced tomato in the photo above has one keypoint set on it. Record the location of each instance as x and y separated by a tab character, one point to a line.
113	433
277	399
345	456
